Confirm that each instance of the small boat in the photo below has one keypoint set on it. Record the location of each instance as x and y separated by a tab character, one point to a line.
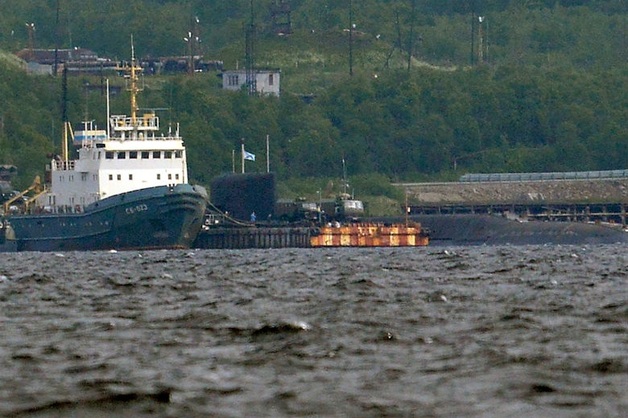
127	188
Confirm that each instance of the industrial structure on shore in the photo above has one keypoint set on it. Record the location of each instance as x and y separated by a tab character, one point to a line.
583	196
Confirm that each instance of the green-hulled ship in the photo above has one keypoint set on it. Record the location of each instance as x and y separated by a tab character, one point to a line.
127	188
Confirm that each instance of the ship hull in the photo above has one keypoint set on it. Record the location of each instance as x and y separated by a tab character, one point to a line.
494	230
160	217
475	229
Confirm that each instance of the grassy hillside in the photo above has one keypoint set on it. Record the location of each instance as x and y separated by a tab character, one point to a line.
523	32
545	97
9	60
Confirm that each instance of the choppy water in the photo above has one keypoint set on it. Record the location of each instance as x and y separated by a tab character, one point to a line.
428	332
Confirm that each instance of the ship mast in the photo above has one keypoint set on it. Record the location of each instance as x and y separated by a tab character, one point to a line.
64	116
135	126
134	89
132	72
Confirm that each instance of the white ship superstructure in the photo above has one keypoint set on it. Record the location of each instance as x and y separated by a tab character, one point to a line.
132	154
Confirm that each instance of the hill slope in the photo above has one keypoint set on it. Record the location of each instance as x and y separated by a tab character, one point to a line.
545	99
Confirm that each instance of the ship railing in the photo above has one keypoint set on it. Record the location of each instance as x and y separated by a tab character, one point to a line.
60	209
148	122
60	165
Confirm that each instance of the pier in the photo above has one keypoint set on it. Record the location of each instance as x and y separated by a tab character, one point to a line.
584	200
255	237
350	235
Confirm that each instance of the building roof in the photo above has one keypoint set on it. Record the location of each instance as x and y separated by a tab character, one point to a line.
256	70
47	56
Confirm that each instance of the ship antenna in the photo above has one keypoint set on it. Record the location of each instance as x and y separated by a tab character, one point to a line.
64	115
108	112
134	90
344	175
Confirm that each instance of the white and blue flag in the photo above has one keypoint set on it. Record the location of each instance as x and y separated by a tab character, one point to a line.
249	156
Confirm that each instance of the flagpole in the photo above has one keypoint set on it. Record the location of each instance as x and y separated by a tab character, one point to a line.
233	161
267	155
242	143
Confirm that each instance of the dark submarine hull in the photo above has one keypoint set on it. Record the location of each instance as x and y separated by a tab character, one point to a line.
470	229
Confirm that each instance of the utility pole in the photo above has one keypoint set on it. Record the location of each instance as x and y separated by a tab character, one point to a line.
192	39
411	40
280	12
473	8
30	27
350	37
250	55
55	68
480	40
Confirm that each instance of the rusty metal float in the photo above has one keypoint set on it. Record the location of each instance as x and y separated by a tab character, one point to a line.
371	235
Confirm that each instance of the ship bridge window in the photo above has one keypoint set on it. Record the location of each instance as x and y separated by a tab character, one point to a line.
169	176
145	155
130	176
178	154
121	155
176	176
109	155
156	154
167	154
119	177
110	176
158	176
133	155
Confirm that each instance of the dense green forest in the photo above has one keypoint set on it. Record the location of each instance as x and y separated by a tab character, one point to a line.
434	93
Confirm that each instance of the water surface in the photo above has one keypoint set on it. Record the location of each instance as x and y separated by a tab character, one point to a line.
427	332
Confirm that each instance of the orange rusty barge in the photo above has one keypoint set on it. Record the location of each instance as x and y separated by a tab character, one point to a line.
371	235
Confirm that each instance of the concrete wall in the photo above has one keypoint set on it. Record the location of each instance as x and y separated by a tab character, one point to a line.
554	192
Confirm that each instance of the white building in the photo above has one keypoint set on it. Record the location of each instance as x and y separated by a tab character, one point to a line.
266	81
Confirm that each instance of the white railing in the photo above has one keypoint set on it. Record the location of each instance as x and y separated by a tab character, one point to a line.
142	123
60	165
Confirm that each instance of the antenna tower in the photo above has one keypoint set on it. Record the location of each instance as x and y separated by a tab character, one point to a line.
250	56
350	37
473	9
280	12
30	27
55	68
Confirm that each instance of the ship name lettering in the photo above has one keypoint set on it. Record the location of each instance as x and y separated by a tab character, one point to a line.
136	209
